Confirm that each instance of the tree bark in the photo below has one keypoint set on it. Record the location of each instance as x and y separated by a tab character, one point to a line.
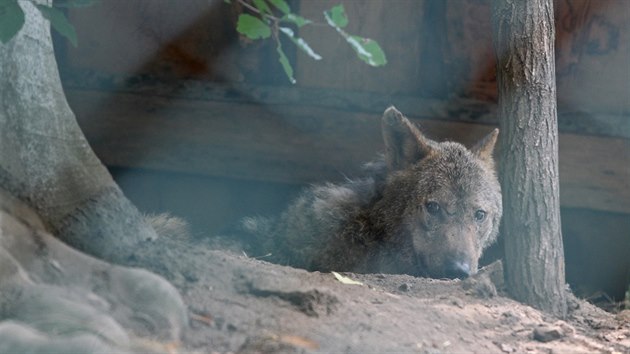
53	298
46	161
524	47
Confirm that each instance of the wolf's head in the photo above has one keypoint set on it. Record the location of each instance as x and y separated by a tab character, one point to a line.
446	199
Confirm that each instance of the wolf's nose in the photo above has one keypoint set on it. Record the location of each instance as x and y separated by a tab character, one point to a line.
457	269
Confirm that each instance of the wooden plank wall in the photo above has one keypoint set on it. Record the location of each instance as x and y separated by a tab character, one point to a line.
288	143
253	125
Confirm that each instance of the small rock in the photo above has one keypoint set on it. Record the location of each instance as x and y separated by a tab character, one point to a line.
547	333
509	318
567	329
518	330
480	286
506	348
457	302
404	287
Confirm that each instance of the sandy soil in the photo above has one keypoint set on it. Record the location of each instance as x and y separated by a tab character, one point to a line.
239	304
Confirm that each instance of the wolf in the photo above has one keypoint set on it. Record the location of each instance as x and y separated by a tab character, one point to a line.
423	208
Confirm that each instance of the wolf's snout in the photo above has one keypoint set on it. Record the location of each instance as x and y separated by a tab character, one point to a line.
457	269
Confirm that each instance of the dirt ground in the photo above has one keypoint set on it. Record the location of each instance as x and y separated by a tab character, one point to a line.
239	304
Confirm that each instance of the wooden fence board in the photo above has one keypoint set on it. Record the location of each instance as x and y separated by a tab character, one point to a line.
297	144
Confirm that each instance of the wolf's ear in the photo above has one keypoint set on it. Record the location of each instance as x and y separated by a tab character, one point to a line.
484	147
404	143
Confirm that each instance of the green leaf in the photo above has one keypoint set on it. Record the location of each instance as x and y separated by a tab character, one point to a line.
262	6
338	16
296	19
281	5
284	61
368	50
11	19
59	22
300	43
252	27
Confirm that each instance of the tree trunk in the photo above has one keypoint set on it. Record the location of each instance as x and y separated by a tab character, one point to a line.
53	298
524	46
45	159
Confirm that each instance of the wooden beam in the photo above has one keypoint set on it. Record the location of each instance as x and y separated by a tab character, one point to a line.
455	109
304	143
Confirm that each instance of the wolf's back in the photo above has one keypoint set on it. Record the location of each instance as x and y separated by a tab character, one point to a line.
313	224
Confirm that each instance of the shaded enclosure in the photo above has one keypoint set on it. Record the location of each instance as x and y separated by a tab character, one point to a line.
195	120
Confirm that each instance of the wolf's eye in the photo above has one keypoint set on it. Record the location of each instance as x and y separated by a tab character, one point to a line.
480	215
432	207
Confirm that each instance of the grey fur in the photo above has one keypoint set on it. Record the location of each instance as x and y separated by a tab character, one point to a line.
388	221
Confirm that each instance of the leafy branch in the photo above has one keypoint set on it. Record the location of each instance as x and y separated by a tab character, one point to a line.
270	18
267	18
12	18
